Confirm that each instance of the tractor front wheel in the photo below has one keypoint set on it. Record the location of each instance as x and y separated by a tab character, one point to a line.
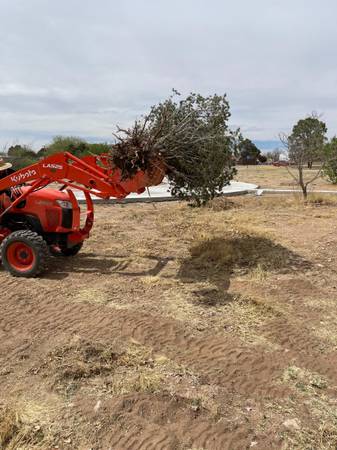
24	253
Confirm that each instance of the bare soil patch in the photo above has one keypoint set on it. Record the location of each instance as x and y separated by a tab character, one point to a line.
178	328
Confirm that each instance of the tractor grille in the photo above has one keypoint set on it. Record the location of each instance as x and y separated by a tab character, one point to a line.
53	217
67	218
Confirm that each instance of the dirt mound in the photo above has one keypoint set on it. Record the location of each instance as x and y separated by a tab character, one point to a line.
72	364
68	364
241	250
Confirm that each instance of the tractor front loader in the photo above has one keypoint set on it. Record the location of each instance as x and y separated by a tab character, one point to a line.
37	221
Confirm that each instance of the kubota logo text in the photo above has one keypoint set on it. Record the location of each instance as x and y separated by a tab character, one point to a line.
23	176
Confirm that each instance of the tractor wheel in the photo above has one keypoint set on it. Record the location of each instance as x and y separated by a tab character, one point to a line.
72	251
24	253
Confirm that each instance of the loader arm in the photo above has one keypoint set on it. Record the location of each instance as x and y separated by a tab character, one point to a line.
91	174
70	171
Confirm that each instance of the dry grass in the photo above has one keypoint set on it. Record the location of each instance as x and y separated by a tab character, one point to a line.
322	199
322	435
72	363
125	367
303	379
239	250
222	204
9	426
141	371
278	177
142	381
15	434
312	392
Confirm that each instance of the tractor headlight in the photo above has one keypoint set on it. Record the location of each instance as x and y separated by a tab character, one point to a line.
64	204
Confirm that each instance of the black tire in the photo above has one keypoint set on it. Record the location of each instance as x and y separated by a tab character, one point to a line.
72	251
32	245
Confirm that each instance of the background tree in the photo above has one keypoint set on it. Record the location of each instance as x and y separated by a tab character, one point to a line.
42	153
98	148
16	151
330	168
311	133
249	154
306	144
274	155
75	145
21	156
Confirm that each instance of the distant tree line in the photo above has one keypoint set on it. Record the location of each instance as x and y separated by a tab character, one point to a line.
310	153
23	155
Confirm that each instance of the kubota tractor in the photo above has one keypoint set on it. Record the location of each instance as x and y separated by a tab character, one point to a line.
37	221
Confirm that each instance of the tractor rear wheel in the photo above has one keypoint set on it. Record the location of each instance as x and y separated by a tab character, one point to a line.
24	253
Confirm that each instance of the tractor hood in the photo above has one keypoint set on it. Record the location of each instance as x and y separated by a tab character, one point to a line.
55	211
46	196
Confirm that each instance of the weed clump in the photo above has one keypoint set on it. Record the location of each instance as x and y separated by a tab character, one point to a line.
15	434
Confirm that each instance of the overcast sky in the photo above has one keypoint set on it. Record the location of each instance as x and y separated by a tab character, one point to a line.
79	67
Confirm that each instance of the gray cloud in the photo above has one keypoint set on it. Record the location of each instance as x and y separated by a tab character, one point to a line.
74	67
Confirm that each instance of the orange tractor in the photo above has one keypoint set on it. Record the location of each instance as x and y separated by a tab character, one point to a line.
37	221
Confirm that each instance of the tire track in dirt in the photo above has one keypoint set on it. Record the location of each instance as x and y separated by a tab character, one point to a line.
166	422
302	347
292	333
150	439
220	358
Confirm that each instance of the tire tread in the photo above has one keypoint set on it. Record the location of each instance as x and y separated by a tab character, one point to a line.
40	246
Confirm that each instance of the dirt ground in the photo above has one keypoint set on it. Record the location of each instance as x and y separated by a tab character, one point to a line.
178	328
278	177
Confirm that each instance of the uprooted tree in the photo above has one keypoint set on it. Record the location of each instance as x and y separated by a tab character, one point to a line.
190	137
305	145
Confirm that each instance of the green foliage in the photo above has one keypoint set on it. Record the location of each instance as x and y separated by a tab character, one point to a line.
15	150
197	144
21	156
19	151
249	153
306	142
305	145
24	161
77	146
330	168
97	149
72	144
42	153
